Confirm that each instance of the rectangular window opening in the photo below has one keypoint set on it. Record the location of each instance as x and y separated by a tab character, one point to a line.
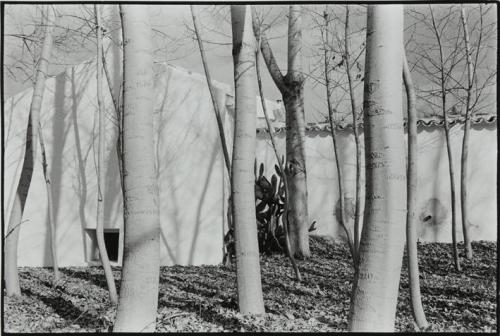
111	242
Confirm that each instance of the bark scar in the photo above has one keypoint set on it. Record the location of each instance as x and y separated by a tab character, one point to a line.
294	167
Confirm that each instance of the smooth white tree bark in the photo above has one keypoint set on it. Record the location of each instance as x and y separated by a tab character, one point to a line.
465	144
412	198
103	253
138	300
50	207
354	111
15	221
250	298
376	283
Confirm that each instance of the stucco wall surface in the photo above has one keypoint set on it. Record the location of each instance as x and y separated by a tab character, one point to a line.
193	182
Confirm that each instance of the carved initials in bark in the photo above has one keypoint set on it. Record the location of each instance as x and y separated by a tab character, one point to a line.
373	305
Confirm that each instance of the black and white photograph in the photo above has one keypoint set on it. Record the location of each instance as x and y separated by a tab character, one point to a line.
249	166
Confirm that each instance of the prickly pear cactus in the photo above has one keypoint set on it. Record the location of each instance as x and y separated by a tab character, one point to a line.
269	207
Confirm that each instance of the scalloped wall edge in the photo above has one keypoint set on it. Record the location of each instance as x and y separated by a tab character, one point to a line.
318	127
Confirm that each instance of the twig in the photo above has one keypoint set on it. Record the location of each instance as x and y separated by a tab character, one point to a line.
174	316
147	325
79	316
218	117
10	231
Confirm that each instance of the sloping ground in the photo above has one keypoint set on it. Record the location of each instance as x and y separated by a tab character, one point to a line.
203	298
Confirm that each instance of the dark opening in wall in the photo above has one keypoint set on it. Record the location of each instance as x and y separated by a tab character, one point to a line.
111	242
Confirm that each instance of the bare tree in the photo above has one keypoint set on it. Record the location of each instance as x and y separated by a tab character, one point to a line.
465	147
107	31
138	299
50	207
411	203
348	68
331	118
71	34
15	221
474	88
437	50
249	285
291	87
103	253
444	77
376	281
340	73
281	165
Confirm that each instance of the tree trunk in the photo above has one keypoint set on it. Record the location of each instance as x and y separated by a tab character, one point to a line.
448	146
108	272
118	108
357	211
340	179
281	165
412	198
452	190
293	98
344	224
291	87
138	300
11	241
465	144
376	283
250	298
50	207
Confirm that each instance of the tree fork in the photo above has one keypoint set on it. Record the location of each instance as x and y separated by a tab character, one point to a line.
456	259
291	88
270	127
357	211
350	242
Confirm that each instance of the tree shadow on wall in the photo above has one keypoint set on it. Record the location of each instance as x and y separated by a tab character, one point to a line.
213	157
57	163
68	164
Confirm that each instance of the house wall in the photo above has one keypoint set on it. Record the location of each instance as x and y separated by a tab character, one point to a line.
68	124
433	179
189	161
192	178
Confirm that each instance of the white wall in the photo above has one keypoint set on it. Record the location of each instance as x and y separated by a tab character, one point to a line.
433	178
190	166
193	181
